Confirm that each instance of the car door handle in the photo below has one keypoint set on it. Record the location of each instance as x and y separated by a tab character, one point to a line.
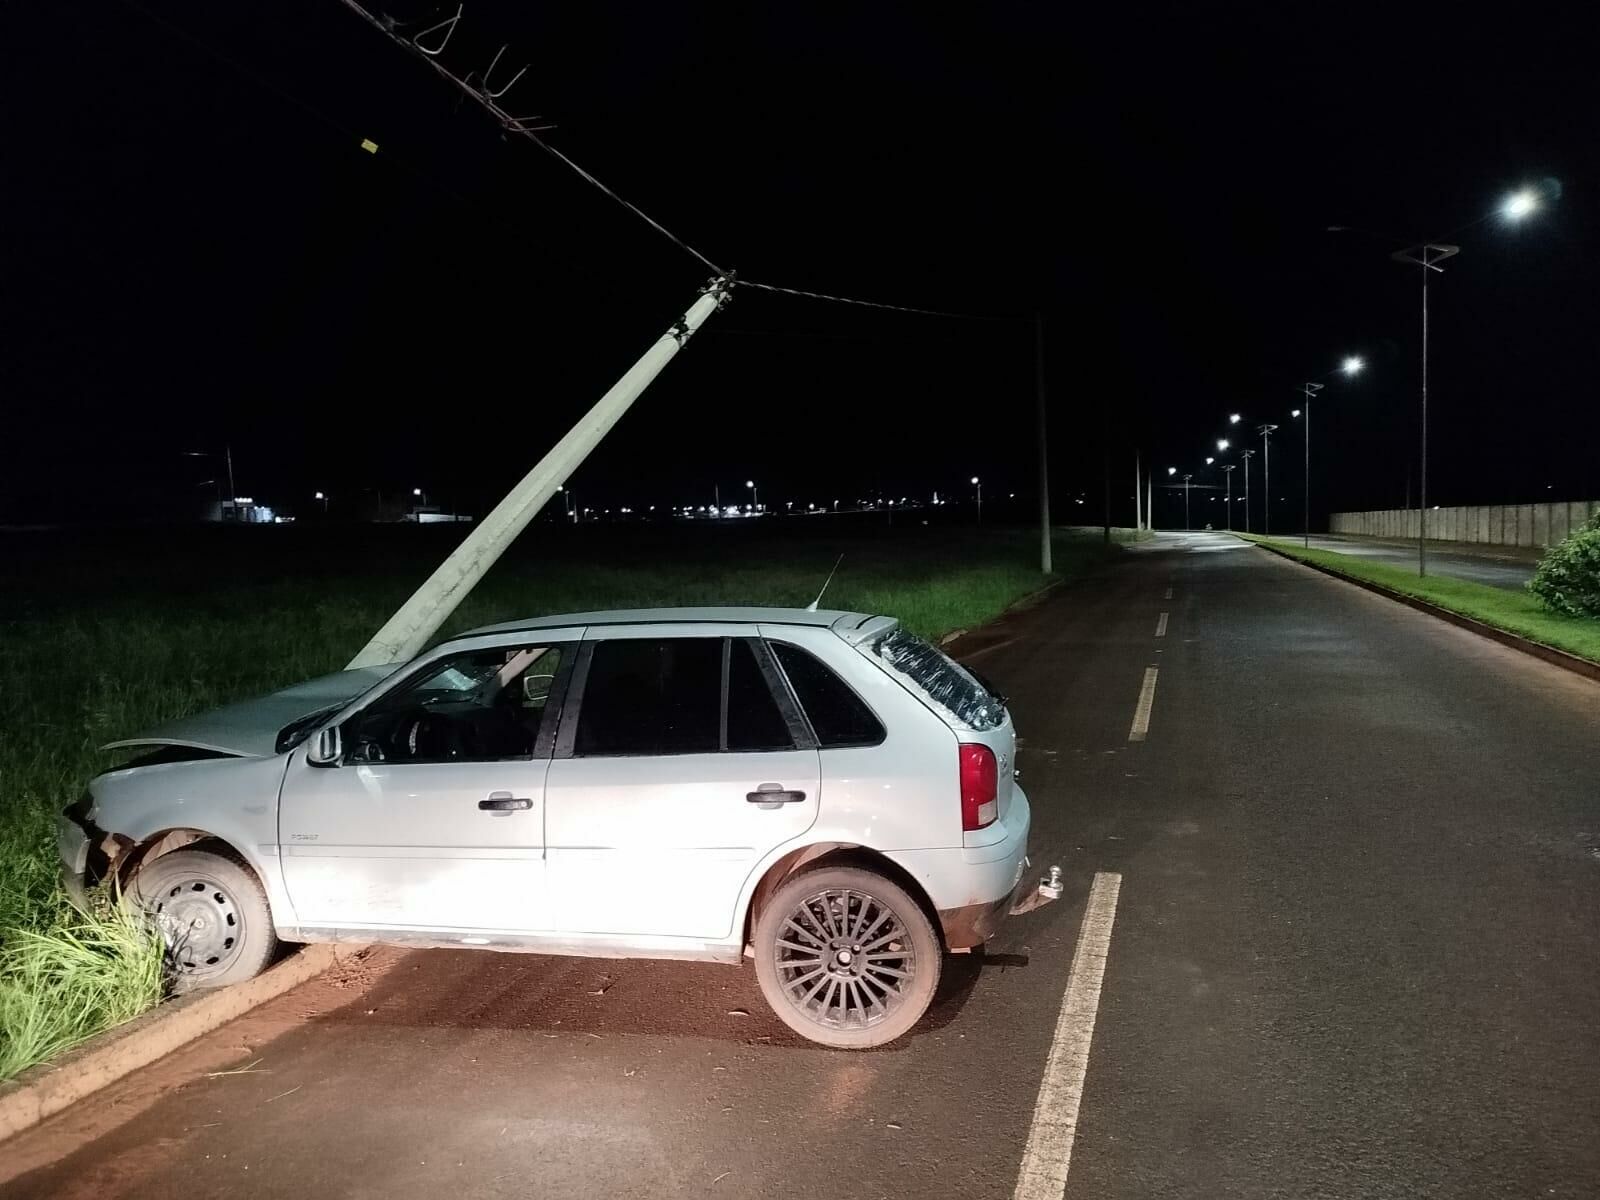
773	793
504	802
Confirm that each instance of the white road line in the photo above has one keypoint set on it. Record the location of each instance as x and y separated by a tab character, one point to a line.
1055	1114
1168	595
1141	713
1161	626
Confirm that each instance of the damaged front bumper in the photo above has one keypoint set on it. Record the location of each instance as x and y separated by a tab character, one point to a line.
974	924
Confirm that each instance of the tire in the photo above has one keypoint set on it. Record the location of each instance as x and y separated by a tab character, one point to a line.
212	913
843	991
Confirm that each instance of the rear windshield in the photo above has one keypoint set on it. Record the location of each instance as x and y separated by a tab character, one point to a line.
938	678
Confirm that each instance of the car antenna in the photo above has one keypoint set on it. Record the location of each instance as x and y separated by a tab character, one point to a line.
812	607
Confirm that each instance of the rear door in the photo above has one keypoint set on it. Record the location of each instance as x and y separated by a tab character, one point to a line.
680	764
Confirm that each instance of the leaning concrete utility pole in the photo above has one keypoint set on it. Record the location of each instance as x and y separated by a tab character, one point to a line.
406	633
1045	564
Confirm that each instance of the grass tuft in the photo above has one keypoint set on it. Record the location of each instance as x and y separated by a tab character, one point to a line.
71	975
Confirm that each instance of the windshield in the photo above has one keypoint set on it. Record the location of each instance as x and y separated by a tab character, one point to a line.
939	679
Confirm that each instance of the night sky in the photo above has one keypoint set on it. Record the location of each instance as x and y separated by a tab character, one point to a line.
197	252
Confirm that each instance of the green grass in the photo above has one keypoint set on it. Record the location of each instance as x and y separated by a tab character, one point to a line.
102	636
1516	612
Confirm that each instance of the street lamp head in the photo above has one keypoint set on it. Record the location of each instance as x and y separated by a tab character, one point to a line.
1209	460
1294	412
1521	203
1172	470
1222	443
749	483
416	491
1233	418
974	479
1353	365
318	496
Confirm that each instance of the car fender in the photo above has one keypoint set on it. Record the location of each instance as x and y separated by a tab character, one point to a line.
234	800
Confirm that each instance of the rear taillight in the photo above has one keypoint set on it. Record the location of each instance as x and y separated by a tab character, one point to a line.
980	785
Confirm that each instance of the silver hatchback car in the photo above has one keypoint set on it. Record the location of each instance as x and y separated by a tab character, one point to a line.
821	791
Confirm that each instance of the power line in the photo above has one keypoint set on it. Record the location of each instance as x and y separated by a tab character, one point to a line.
520	126
513	124
924	312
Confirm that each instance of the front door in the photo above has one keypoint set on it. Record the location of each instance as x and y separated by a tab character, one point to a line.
677	771
433	821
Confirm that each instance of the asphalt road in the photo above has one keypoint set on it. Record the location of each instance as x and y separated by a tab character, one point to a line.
1354	955
1499	570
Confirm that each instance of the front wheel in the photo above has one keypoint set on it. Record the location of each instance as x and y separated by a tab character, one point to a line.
212	913
846	958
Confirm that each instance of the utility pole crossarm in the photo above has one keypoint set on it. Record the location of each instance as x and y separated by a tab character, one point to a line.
406	633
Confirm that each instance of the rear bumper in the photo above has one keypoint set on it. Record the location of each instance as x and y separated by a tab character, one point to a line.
992	881
974	924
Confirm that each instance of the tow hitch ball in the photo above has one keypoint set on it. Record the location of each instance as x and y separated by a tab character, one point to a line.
1049	890
1050	885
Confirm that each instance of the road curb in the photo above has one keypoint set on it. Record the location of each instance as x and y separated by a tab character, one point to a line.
991	635
1559	658
42	1091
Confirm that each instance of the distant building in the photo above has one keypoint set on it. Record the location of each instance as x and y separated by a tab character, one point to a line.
241	510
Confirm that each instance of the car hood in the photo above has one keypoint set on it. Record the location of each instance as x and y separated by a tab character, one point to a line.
250	728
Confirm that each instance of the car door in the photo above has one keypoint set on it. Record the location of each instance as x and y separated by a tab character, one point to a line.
433	819
678	768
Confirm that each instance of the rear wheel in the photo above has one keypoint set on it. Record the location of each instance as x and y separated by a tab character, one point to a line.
846	957
212	913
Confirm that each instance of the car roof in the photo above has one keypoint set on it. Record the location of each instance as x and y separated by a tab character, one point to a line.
847	624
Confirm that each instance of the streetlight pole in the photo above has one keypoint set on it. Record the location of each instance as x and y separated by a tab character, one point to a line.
1310	390
755	496
978	483
1138	494
1427	256
1266	432
1227	473
1187	523
1247	454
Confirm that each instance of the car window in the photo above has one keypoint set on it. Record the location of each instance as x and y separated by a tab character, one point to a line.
754	720
838	716
648	696
938	678
476	706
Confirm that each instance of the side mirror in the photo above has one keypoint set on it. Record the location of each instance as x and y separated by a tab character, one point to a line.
325	749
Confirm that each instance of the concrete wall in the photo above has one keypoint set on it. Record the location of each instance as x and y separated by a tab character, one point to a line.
1491	524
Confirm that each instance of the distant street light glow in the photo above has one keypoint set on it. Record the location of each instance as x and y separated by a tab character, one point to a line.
1233	418
1172	470
1294	412
1222	443
1353	365
1520	204
1209	460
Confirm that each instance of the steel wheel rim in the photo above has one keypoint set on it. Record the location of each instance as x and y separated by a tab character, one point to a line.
201	925
844	959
